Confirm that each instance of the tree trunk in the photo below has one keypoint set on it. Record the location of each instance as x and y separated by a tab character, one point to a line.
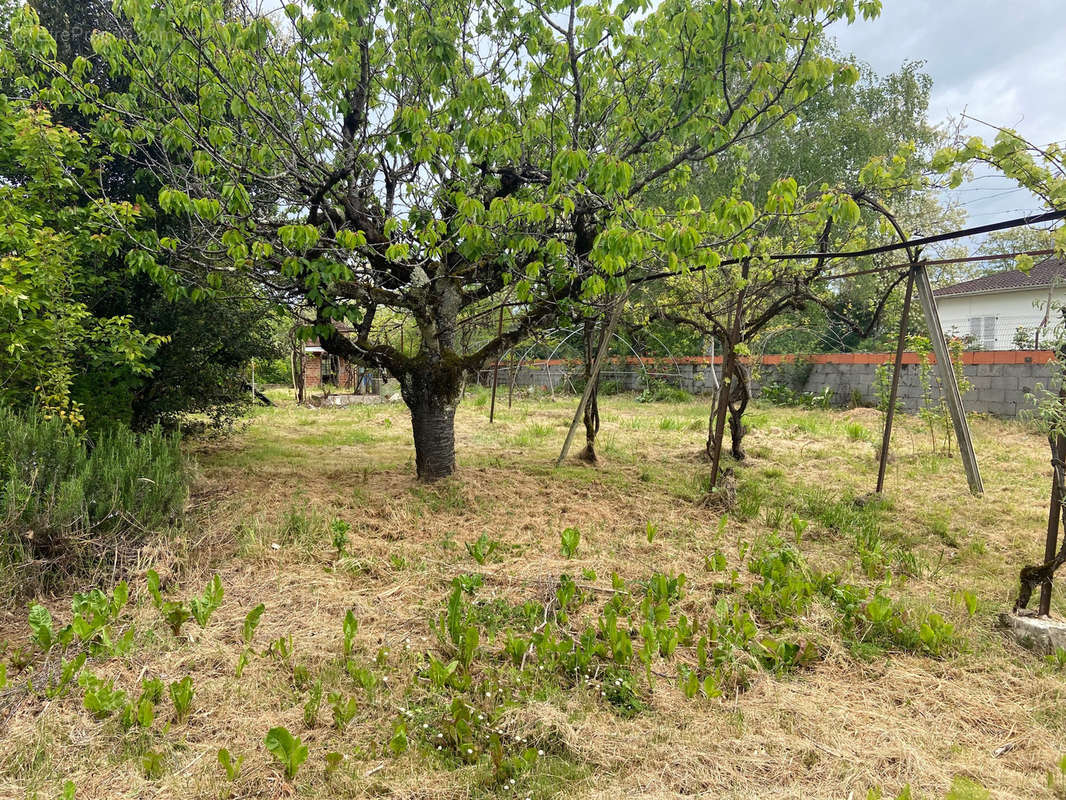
431	392
736	435
737	406
592	410
592	427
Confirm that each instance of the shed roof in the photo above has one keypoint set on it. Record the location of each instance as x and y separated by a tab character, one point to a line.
1049	271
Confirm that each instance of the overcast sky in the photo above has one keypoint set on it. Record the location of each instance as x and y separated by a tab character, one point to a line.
1002	62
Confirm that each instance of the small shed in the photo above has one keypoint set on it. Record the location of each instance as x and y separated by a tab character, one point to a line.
335	375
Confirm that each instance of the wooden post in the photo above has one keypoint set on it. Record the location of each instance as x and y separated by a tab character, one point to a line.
948	385
293	355
604	345
890	412
496	371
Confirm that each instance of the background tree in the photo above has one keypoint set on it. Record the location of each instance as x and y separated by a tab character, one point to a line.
202	348
427	157
854	143
843	127
51	234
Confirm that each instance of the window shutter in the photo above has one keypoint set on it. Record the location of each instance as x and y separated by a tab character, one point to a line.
990	333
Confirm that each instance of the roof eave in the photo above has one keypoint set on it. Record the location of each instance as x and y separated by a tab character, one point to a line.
998	291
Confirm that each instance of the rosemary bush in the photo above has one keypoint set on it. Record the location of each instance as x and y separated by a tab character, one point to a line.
70	501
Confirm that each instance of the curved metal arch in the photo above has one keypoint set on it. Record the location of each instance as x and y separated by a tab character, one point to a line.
548	368
673	358
571	332
633	350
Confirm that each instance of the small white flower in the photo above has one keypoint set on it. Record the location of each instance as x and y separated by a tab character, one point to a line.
469	751
540	752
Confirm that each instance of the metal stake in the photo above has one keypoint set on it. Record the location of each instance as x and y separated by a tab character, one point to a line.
948	385
496	371
591	383
898	367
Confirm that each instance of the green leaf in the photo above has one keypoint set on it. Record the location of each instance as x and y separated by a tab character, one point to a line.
569	539
398	742
351	626
41	624
204	606
231	766
152	579
251	622
181	693
119	598
287	749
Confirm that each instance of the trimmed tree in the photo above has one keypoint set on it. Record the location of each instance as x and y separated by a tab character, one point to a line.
431	158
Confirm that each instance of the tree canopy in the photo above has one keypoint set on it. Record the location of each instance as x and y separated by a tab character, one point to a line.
436	158
51	234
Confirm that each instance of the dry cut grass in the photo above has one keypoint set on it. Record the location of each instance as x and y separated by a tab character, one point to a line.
984	716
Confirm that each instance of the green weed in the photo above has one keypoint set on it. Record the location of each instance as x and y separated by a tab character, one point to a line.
569	540
287	749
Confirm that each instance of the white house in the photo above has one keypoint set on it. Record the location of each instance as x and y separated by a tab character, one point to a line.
1006	310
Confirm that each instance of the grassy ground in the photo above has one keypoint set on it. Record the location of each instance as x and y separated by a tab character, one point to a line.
829	647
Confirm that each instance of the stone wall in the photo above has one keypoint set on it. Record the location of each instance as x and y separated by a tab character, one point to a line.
1001	379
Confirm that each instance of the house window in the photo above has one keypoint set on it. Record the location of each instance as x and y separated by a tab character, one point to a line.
983	332
330	369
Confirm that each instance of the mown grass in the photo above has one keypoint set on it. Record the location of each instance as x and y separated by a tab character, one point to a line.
809	641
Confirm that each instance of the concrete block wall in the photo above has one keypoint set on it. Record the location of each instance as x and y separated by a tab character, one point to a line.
1000	379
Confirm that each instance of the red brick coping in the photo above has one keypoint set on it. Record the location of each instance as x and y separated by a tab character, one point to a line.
968	357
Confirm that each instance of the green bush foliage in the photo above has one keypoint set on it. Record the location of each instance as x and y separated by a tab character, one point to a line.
68	501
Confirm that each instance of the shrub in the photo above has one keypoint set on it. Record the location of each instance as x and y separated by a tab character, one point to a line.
780	394
659	391
69	502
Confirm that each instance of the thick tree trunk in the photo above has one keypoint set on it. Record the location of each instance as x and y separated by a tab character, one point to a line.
431	392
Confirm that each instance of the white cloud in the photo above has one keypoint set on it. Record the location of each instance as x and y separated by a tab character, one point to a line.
1000	62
